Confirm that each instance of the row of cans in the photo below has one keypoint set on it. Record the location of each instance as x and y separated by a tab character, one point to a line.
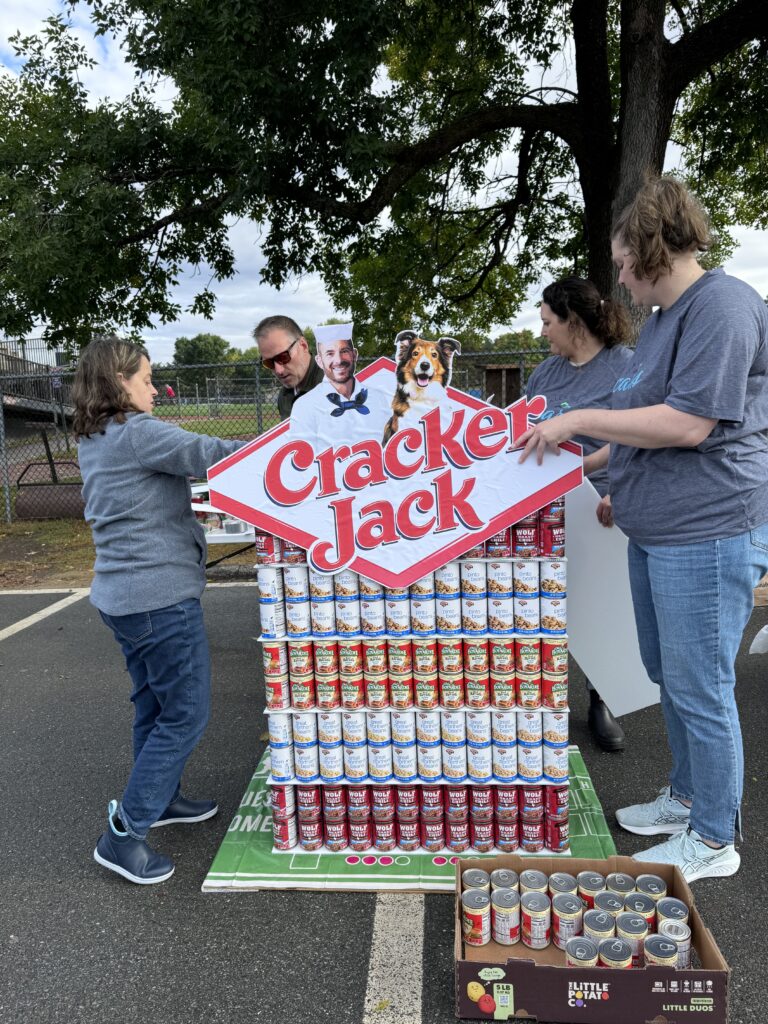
429	728
410	834
503	578
449	657
469	616
452	762
408	802
529	690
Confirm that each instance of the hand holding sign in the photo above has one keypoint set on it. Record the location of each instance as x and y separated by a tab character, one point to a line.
546	436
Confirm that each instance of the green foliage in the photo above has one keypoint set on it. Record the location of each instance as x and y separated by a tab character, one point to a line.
411	153
208	349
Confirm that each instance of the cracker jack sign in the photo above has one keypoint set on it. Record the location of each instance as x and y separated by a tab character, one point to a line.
394	474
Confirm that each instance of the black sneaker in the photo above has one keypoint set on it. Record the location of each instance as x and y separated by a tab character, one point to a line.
132	858
187	812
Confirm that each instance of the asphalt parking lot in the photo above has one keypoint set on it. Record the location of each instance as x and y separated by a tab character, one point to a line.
80	945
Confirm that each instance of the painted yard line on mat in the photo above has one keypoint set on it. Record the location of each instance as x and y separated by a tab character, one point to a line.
32	620
393	992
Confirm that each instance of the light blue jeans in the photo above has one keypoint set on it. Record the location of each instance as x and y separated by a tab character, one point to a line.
166	652
692	603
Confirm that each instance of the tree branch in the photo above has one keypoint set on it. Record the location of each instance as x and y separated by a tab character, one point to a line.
184	215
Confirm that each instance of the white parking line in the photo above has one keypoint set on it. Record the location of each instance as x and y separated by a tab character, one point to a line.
393	993
57	606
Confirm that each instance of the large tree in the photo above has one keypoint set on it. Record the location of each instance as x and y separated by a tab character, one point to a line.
430	159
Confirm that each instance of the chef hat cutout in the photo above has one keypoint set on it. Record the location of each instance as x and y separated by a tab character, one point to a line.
332	333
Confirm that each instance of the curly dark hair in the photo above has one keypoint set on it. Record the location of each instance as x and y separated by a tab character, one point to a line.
577	300
97	392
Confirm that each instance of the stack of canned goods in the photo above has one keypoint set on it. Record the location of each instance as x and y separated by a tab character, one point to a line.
413	817
607	921
353	744
430	673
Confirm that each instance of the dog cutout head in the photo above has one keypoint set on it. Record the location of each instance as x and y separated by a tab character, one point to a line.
421	363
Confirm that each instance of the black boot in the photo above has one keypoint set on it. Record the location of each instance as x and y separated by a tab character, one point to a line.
603	726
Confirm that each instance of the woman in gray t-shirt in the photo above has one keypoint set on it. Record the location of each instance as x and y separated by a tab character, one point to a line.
586	334
688	477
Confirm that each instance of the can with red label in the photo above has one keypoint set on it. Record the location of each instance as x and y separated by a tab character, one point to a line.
528	655
360	834
482	835
525	577
501	655
432	832
334	802
320	586
554	690
567	916
326	656
450	658
284	833
551	537
275	658
336	834
426	689
407	798
328	692
456	801
383	801
531	802
432	801
451	690
424	652
525	541
476	917
322	618
476	656
507	807
278	693
507	835
310	834
448	580
457	835
352	691
376	691
384	834
554	655
401	691
309	802
407	831
267	549
556	802
282	801
350	657
532	836
556	835
477	690
482	801
502	690
292	553
499	545
374	657
400	657
303	691
358	802
528	689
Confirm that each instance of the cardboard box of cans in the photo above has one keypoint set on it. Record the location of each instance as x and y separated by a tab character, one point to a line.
498	981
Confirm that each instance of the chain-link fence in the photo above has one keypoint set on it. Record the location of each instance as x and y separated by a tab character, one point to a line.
39	473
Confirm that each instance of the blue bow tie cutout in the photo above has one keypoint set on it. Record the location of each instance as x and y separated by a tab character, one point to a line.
357	403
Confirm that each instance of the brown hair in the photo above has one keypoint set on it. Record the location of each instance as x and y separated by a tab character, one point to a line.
577	300
97	393
664	220
279	323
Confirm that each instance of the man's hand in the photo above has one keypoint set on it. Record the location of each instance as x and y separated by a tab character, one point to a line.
605	511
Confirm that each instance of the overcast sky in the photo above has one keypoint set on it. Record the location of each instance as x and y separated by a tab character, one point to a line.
243	300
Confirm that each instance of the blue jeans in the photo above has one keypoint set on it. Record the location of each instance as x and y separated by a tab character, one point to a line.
692	602
166	652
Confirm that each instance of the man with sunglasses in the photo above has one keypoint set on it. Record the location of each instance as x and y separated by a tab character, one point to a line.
284	351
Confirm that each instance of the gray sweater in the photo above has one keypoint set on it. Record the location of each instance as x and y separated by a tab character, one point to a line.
150	549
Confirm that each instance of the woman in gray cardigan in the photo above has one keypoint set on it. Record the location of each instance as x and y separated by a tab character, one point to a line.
149	576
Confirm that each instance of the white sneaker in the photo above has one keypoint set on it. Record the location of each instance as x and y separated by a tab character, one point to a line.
665	814
694	858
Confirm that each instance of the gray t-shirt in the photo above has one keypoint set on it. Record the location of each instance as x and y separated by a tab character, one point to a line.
706	355
590	386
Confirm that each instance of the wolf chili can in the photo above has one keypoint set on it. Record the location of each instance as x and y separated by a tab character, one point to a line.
432	833
501	655
407	802
456	803
431	801
556	803
383	802
277	692
476	917
482	836
400	657
310	834
557	835
567	914
536	913
525	541
554	655
502	690
499	545
275	658
384	835
531	836
267	549
292	554
408	837
532	803
507	836
336	834
482	802
309	802
554	691
457	835
505	916
360	834
282	801
551	537
358	802
507	807
284	833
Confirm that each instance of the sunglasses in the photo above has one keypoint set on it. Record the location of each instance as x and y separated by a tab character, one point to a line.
281	357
